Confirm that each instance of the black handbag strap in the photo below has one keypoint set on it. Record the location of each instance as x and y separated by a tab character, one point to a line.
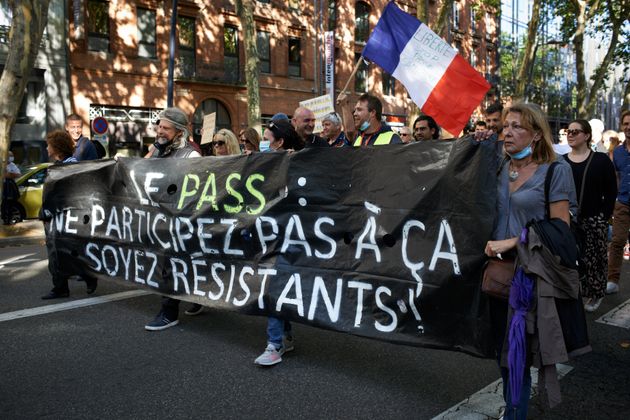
548	186
588	163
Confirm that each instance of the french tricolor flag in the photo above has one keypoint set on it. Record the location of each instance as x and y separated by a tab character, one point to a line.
438	79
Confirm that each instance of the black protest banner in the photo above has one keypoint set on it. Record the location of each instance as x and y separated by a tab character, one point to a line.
382	242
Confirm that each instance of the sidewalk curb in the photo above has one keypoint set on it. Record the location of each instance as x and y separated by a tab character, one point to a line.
23	241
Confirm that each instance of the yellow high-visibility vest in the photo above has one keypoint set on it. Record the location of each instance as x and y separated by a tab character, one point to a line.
383	138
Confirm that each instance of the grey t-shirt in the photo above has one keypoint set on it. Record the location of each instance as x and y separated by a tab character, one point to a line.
528	202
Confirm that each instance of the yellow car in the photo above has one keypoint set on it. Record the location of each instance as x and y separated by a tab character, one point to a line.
31	186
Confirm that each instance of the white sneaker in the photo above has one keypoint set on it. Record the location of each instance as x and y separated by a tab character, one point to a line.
270	356
593	304
611	288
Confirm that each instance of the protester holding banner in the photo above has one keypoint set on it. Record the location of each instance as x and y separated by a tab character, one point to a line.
425	128
367	117
521	198
282	136
225	143
172	142
596	184
84	149
304	123
60	147
249	140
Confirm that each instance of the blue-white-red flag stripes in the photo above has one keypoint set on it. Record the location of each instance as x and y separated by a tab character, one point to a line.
438	79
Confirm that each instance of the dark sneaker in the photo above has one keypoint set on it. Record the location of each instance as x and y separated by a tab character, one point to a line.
91	284
196	309
56	295
161	322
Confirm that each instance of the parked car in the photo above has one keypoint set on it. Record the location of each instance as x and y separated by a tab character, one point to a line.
31	186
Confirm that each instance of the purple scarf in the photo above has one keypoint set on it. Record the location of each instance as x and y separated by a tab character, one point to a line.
521	302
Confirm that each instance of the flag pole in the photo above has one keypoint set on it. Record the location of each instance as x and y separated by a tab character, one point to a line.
342	94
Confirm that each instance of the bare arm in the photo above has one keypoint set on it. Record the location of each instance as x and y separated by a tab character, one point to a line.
560	210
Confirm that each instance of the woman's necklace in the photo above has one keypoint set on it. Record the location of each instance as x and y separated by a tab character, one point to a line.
513	174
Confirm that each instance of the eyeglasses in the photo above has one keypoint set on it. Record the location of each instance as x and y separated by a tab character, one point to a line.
218	143
574	132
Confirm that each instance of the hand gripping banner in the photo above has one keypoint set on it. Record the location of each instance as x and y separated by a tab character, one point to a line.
383	242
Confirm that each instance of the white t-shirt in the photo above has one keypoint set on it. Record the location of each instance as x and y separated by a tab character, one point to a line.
13	169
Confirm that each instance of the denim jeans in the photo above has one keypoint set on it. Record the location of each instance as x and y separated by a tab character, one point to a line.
276	329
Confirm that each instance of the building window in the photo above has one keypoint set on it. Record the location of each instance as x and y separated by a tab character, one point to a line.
488	61
208	107
187	46
295	57
263	1
230	53
360	78
361	22
98	25
455	15
264	51
33	103
332	15
146	33
473	57
389	84
473	20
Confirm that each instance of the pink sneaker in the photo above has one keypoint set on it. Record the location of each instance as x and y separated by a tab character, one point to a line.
270	356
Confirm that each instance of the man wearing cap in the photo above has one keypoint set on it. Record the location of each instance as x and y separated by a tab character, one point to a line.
332	132
367	120
304	123
172	142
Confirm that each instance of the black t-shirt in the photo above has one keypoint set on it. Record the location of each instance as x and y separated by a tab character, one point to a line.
315	141
600	190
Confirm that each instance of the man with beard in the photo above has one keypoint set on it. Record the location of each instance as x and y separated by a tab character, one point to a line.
425	128
367	120
172	142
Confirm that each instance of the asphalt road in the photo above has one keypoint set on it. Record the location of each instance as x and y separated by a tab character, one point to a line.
97	361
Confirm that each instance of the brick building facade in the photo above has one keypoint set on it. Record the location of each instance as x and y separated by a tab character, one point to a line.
119	52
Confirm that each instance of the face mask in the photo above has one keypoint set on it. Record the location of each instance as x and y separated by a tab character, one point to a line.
364	126
11	158
523	153
264	145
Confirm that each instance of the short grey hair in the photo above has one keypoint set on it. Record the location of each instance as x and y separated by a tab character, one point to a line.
333	117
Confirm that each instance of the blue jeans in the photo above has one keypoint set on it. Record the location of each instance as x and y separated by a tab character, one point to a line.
276	329
516	412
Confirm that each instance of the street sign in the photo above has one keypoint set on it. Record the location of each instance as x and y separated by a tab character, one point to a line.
99	125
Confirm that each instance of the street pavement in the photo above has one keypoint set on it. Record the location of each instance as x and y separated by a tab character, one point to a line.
95	360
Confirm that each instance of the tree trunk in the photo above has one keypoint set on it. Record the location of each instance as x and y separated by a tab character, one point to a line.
578	46
27	26
245	10
443	15
602	70
525	70
626	96
422	11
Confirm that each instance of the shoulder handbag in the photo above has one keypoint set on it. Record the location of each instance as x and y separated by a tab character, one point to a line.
497	278
498	273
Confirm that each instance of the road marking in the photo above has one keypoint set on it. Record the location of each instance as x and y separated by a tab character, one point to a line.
48	309
14	259
488	402
618	316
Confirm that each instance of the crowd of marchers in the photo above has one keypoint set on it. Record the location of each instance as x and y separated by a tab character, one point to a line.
579	177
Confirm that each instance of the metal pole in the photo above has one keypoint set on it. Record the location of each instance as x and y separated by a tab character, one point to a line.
171	55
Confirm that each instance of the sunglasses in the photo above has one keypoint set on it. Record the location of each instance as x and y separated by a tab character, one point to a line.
404	134
574	132
218	143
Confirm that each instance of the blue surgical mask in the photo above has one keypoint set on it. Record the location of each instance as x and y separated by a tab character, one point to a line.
264	145
527	151
364	126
